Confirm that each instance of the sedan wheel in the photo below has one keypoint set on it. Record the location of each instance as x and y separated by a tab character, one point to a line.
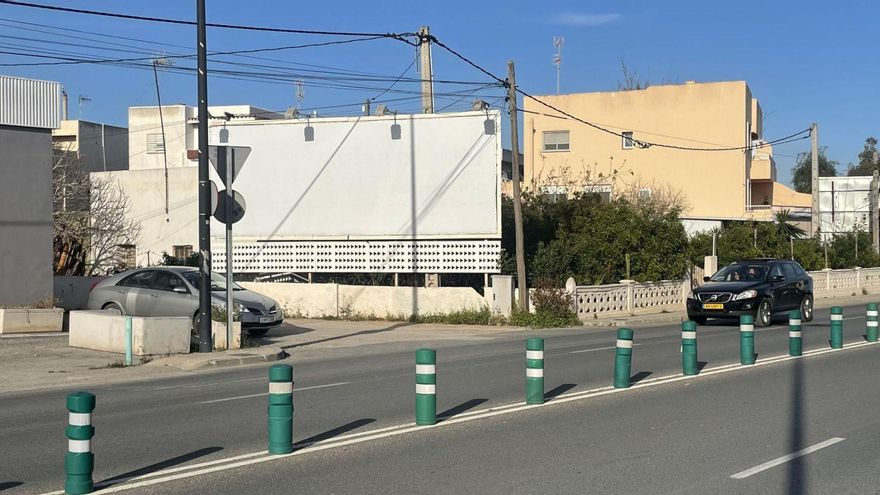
115	308
194	333
765	314
807	308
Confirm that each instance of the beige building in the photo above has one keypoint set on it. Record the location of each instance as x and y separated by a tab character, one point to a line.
564	156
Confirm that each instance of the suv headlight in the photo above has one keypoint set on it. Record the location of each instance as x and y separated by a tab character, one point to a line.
749	294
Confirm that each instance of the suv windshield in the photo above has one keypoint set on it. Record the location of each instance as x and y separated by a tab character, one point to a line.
741	272
218	282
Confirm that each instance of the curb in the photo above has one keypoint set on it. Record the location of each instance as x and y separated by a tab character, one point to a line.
241	357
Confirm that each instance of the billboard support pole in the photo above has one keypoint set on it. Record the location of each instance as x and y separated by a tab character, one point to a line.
517	191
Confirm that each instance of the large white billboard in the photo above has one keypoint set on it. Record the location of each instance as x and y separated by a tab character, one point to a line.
432	176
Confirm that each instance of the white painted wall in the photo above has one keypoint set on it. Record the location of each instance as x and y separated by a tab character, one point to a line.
319	300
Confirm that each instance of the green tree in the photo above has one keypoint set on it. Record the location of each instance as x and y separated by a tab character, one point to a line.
784	228
802	175
869	159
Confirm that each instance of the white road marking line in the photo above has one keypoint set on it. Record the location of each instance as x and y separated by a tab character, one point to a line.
202	385
597	349
782	460
266	393
343	440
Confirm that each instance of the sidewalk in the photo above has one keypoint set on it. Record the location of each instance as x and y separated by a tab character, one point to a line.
46	361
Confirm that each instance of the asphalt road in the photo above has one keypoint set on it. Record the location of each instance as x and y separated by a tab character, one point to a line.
145	427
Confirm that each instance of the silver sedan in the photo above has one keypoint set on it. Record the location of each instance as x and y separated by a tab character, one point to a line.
173	291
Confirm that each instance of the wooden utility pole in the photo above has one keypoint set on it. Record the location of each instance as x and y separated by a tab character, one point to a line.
814	176
517	191
426	70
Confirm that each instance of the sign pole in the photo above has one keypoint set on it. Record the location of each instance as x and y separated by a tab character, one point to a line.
230	303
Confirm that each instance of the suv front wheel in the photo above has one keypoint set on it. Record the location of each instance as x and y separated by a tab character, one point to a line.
764	316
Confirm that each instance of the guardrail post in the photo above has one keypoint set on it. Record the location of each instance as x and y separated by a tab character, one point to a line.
689	348
426	387
535	371
281	409
795	342
746	339
837	327
871	325
623	358
79	462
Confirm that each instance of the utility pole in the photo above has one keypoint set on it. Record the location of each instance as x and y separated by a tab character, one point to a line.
367	107
426	70
517	191
205	343
814	176
874	197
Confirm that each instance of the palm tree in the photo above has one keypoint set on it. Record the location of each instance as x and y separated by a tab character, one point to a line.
784	227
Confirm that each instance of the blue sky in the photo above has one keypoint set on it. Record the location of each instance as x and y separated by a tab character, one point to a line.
806	61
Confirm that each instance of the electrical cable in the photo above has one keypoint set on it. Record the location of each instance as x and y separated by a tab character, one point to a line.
397	36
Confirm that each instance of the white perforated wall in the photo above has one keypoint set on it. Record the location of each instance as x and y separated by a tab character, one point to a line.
453	256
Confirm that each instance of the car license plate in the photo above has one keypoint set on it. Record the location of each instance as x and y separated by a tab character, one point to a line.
713	306
267	319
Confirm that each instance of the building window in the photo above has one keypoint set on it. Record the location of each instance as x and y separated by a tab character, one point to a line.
644	193
183	252
127	256
155	143
554	194
556	141
603	190
628	142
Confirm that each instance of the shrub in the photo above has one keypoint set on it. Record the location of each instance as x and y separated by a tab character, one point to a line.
552	309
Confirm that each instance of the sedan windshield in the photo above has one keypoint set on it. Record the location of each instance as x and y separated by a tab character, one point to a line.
741	272
218	282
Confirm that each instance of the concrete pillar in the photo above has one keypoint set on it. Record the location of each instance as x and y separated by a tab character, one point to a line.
502	295
710	265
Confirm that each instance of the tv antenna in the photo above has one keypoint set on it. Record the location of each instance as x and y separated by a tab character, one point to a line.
558	43
300	92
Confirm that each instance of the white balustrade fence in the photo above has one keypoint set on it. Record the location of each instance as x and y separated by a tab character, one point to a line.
627	297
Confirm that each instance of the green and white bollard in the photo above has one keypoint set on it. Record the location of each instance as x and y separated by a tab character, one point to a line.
746	339
426	387
837	327
795	342
535	371
79	463
871	329
623	358
281	409
689	348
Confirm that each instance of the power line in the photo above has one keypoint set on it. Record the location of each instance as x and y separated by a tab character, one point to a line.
397	36
150	42
233	52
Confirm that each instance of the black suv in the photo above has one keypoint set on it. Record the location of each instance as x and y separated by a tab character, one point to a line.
759	287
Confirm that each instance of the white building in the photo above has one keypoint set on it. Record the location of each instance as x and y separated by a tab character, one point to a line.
393	193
